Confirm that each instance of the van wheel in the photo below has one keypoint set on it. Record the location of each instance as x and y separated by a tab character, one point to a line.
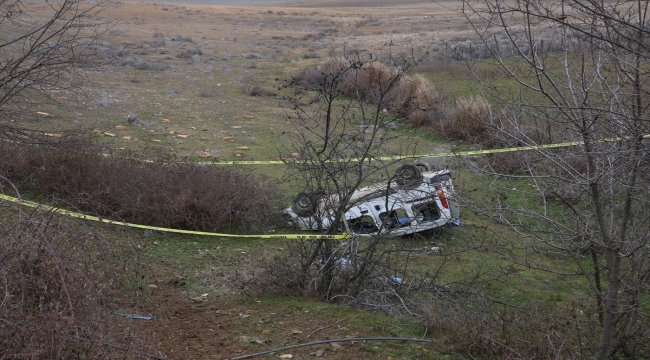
304	204
422	166
408	175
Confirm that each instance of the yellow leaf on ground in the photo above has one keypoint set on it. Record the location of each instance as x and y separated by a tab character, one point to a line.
120	127
182	136
127	138
106	133
242	148
53	135
166	121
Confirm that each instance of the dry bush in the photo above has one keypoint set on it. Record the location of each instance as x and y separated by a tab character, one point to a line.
257	90
411	97
308	78
161	193
413	93
61	278
563	182
207	92
502	163
187	54
321	76
469	120
368	82
475	327
334	67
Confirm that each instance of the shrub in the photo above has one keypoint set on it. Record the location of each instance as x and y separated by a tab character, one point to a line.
308	78
257	90
367	82
187	54
58	275
253	56
411	97
207	92
181	195
468	120
413	94
182	38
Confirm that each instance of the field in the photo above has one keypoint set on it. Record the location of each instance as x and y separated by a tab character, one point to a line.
201	82
191	86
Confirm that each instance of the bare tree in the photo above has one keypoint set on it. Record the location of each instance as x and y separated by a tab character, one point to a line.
581	69
343	139
43	46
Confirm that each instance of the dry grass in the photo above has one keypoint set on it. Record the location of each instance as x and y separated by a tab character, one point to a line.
161	68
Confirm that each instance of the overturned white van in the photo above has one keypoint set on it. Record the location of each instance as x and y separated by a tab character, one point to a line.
413	201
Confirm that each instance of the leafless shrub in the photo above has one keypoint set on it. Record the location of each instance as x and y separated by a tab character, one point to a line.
253	56
122	57
504	163
117	32
141	51
182	38
188	54
57	275
413	93
207	92
472	326
467	120
257	90
157	42
140	64
368	81
161	193
308	77
412	97
106	102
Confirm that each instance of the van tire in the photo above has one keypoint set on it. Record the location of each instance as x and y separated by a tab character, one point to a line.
304	204
422	166
408	176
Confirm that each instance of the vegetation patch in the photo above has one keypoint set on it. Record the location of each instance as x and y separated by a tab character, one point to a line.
154	190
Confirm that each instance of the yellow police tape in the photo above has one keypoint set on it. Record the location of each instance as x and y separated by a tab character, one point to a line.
435	155
190	232
273	162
